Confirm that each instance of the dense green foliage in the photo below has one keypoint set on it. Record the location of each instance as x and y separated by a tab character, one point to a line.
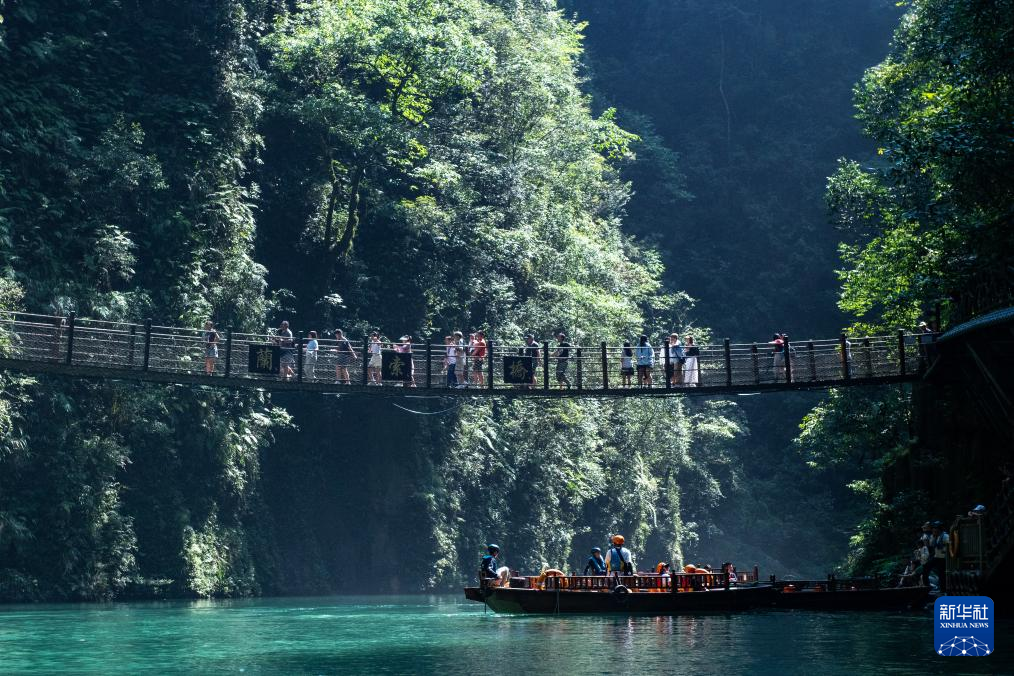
492	190
929	222
421	166
742	109
424	165
125	133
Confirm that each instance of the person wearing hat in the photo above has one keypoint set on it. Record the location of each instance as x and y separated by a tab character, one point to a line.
925	334
596	564
939	540
618	558
489	570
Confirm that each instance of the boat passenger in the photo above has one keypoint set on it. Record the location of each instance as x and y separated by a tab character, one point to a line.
596	564
618	558
489	571
939	542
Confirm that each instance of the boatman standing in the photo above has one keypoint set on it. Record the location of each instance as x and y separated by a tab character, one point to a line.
618	559
596	564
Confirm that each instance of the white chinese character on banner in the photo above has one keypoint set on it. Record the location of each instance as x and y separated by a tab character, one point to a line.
980	612
946	611
964	612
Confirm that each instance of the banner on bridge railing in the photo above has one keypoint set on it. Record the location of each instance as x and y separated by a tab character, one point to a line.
396	366
265	359
518	370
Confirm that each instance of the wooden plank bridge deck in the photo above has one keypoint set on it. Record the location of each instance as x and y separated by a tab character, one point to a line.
97	349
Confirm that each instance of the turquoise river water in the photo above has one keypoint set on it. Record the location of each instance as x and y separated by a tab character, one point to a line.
445	635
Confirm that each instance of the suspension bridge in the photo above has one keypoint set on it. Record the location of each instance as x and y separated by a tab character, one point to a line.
109	350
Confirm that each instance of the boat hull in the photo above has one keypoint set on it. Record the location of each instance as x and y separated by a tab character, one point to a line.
513	600
854	599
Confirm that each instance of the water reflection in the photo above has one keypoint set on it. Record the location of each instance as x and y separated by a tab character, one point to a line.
439	635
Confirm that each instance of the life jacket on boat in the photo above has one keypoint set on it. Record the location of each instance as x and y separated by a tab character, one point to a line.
488	568
551	572
617	562
596	564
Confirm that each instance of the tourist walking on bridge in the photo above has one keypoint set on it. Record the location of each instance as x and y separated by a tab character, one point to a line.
691	367
477	351
344	358
534	354
404	346
451	360
626	364
677	356
283	338
375	363
210	348
312	350
645	361
777	355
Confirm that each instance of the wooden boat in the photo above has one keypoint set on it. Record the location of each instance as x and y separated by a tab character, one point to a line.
688	593
852	594
652	594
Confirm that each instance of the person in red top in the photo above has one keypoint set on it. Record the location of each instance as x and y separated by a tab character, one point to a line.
477	350
777	355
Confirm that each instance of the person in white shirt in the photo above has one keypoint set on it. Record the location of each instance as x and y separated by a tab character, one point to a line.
451	360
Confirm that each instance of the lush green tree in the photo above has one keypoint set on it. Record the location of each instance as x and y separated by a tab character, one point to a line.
936	205
123	195
928	222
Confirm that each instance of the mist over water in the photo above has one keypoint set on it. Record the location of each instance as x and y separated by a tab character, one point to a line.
446	635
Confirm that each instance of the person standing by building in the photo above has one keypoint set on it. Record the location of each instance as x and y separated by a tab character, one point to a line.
210	348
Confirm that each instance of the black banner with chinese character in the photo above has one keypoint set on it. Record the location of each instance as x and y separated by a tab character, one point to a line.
396	365
264	359
518	370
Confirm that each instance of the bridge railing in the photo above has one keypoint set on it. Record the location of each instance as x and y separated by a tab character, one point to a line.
597	367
